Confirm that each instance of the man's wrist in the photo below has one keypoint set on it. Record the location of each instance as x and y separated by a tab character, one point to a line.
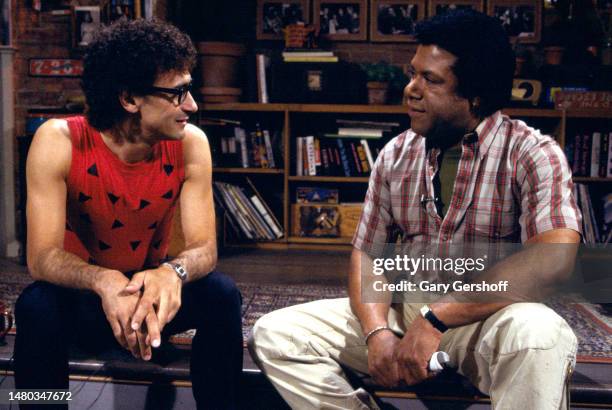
428	315
179	270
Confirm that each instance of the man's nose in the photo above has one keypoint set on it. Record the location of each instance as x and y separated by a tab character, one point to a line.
189	105
412	90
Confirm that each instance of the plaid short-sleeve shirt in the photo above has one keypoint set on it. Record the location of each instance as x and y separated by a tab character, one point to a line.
512	183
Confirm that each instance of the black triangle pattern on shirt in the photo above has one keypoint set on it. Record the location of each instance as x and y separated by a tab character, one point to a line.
144	204
68	227
167	195
83	197
134	245
93	170
103	246
168	169
91	261
153	225
117	224
85	218
113	198
157	244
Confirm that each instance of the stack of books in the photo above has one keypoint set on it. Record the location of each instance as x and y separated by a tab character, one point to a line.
349	152
247	213
236	146
309	56
590	154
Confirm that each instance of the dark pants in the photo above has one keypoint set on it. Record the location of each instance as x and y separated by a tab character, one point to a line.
50	318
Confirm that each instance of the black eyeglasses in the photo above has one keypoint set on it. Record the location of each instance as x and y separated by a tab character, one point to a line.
181	92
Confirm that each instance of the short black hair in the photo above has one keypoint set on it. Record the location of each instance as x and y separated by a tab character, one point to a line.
485	59
128	56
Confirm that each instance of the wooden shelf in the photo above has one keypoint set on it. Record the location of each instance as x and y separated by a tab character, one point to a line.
599	113
330	179
242	107
333	241
591	179
533	112
248	170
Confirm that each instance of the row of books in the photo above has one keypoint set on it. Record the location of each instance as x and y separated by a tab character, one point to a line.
592	232
247	148
590	155
334	156
247	212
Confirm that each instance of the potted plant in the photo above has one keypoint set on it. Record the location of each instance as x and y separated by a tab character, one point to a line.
383	79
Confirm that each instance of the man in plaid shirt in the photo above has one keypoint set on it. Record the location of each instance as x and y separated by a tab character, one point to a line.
512	184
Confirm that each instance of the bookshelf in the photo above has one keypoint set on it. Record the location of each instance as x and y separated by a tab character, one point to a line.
293	120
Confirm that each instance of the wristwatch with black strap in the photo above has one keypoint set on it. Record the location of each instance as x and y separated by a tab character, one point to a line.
429	315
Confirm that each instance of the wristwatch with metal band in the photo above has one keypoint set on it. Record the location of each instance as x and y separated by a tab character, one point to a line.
428	314
180	270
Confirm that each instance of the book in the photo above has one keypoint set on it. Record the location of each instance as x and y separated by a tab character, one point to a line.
311	161
385	125
308	53
344	158
603	154
299	163
262	87
240	135
595	147
368	153
269	151
609	161
360	132
309	59
265	210
306	195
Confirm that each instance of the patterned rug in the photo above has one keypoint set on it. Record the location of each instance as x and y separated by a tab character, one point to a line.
589	322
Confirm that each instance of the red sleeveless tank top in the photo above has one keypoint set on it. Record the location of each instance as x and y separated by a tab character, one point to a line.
119	215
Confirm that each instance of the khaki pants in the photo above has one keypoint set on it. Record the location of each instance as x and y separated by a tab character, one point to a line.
520	356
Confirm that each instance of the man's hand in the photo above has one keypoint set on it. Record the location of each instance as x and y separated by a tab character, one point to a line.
161	299
415	349
381	363
119	307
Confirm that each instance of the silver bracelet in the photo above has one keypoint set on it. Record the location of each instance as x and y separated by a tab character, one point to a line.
374	331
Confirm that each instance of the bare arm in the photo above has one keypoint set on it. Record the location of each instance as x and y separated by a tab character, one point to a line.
547	271
197	208
162	288
47	169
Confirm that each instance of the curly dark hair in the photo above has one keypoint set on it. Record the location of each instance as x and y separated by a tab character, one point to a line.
485	60
128	56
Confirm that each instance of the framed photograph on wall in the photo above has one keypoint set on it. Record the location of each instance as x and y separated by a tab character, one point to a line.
5	23
274	15
442	6
521	19
85	22
394	20
341	20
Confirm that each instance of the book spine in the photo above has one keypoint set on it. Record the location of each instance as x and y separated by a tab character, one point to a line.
356	160
269	151
262	87
603	154
240	134
585	159
344	158
360	132
368	153
362	157
595	147
299	170
310	149
262	210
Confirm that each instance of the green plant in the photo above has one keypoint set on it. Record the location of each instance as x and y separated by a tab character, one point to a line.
385	72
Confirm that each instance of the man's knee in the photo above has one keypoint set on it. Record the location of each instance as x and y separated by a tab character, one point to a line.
530	326
39	303
272	336
224	289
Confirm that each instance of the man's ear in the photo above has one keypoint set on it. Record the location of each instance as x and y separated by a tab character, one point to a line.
475	105
129	103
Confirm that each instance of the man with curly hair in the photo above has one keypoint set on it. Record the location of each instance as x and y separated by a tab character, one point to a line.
102	191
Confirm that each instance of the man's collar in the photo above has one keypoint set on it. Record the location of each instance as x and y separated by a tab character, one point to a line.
485	133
